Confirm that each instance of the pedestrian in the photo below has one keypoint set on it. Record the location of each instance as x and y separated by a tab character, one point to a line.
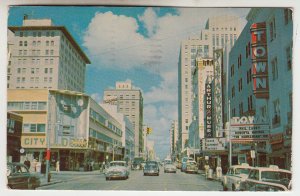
27	163
57	169
34	163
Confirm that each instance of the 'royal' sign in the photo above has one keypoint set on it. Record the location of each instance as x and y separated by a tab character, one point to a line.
259	60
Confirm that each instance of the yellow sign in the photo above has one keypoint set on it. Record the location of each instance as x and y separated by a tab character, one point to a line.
33	141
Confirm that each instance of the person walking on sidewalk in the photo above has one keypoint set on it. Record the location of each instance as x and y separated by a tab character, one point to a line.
57	169
27	163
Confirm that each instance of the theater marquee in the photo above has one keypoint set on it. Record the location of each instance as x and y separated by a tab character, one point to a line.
259	60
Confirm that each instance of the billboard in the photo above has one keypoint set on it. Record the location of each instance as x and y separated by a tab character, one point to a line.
208	109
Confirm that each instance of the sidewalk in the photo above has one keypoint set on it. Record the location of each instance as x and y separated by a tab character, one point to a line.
62	176
214	176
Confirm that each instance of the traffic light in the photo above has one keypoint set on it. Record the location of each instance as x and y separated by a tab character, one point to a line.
149	130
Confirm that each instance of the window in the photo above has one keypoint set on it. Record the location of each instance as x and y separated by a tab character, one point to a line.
34	43
52	43
287	15
232	92
25	52
276	115
39	43
51	52
288	53
47	34
50	79
20	43
46	70
263	111
23	70
232	70
34	34
250	103
47	43
274	69
51	70
240	84
32	70
39	34
21	34
52	34
19	70
272	27
20	52
47	52
25	43
241	109
46	61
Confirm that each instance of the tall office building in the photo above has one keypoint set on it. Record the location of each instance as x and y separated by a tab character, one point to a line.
173	138
44	56
219	32
130	103
202	71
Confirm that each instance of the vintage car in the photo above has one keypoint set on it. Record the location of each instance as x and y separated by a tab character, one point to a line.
191	167
170	168
151	168
271	174
137	163
235	175
19	177
184	161
117	170
268	186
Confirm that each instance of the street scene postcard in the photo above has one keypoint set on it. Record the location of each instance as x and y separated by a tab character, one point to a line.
149	98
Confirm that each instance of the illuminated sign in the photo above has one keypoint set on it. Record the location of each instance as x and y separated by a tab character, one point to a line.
212	144
259	60
208	103
33	141
248	129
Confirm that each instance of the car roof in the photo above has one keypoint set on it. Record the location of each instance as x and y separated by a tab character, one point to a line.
272	169
241	166
118	162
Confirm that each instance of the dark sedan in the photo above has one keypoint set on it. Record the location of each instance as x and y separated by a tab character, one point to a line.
151	168
19	177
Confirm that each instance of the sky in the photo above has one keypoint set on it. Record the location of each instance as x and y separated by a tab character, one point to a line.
137	43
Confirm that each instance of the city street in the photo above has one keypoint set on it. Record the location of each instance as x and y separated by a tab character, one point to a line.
164	182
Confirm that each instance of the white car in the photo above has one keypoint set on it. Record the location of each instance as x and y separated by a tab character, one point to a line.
235	175
269	175
117	169
170	168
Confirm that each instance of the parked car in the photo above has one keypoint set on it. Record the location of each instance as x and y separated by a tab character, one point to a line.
268	186
117	170
183	163
271	174
19	177
170	168
151	168
235	175
191	167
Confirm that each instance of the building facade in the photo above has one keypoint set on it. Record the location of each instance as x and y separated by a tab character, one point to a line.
44	56
260	82
219	32
200	73
14	132
77	129
130	103
174	139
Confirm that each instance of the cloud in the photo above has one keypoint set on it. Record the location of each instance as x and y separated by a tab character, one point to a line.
97	97
116	42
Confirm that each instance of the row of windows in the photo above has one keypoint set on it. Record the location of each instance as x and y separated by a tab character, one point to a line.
34	61
224	28
34	128
34	105
100	119
36	43
33	70
36	33
35	52
33	79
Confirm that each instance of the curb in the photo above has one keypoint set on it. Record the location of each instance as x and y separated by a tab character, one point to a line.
50	183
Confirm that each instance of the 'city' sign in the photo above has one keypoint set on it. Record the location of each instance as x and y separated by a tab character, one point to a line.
259	60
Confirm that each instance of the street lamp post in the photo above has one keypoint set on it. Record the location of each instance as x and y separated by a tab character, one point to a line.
229	135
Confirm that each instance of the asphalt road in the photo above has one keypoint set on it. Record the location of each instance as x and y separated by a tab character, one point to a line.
137	181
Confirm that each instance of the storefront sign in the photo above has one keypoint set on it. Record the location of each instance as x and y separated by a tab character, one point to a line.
33	141
259	60
71	143
245	129
208	125
211	144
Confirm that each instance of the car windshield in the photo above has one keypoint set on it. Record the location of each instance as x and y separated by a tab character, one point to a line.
151	164
242	171
117	164
283	178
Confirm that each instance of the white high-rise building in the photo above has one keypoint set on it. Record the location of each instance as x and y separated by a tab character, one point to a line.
130	103
44	56
219	32
173	137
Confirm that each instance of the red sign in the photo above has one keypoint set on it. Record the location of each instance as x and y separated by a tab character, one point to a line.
259	60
